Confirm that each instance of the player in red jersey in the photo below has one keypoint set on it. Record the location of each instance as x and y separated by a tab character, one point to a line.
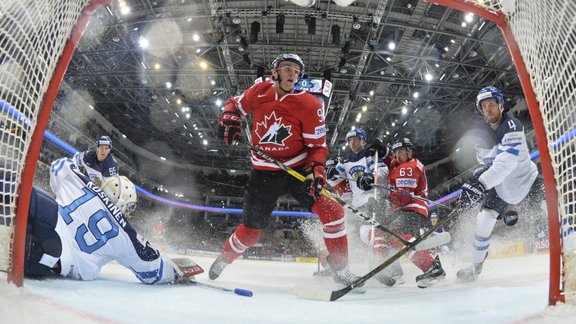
408	215
289	126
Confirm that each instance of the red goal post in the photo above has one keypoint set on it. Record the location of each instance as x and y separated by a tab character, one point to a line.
541	38
37	40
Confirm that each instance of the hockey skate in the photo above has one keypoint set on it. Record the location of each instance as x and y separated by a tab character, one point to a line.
470	273
393	275
397	273
323	267
432	276
345	277
389	276
385	279
326	272
399	279
216	268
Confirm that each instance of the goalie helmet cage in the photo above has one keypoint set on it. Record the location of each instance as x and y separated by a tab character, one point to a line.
37	40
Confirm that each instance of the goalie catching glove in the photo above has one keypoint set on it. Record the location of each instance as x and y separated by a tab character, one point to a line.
316	179
230	127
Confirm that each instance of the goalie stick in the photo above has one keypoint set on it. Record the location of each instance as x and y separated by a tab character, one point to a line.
327	295
434	241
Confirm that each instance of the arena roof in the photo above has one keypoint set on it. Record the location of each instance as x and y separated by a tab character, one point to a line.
199	53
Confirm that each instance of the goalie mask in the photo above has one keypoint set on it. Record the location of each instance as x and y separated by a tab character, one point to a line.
122	193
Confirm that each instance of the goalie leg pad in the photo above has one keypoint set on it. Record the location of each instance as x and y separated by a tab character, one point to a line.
43	244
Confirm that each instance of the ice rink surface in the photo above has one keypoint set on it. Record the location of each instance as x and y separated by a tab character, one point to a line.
510	290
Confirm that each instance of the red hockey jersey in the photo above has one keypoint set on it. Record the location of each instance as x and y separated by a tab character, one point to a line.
409	177
290	128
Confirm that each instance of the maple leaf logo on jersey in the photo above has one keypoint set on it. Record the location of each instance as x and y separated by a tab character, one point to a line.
272	131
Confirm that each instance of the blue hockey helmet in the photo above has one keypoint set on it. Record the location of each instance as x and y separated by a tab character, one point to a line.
289	57
104	140
357	132
488	93
405	143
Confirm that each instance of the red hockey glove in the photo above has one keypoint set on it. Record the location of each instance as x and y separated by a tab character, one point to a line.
230	126
316	174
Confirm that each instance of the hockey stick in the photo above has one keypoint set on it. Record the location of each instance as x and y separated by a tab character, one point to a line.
327	295
434	241
405	193
376	198
186	269
236	291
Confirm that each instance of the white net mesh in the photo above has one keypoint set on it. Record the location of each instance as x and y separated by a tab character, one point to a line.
32	37
546	35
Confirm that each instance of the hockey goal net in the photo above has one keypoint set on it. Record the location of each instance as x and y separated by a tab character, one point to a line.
37	39
541	37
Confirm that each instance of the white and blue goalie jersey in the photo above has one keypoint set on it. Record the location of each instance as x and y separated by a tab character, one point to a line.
511	172
94	231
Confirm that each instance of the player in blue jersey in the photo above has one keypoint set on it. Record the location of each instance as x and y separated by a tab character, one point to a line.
86	227
98	164
353	165
506	174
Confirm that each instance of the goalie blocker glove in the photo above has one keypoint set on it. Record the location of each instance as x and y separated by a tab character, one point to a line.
315	185
230	127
